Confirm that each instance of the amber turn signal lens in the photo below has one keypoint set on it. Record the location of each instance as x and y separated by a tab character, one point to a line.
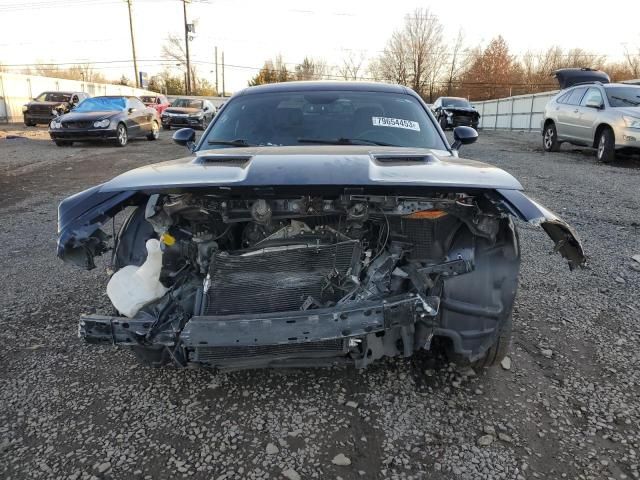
427	215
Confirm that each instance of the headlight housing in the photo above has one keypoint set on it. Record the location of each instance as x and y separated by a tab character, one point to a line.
25	108
631	122
102	123
55	124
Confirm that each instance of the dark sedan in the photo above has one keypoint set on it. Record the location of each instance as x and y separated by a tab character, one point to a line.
453	112
187	112
115	119
48	105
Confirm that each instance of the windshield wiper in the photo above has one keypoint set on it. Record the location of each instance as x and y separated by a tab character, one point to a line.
233	143
344	141
626	100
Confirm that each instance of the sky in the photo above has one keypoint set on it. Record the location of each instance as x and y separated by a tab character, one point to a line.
251	31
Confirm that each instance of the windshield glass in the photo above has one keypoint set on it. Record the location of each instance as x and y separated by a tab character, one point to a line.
148	99
187	103
623	96
455	102
100	104
342	117
54	97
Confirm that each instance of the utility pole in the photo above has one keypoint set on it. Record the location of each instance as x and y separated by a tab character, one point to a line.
216	54
186	42
223	73
133	46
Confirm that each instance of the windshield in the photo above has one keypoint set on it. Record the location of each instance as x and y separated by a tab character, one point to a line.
54	97
187	103
340	117
455	103
623	96
148	99
101	104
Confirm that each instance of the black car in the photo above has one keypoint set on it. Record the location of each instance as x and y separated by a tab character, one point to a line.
187	112
453	112
109	118
48	105
314	223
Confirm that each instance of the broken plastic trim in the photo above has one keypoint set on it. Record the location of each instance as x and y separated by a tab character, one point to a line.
565	238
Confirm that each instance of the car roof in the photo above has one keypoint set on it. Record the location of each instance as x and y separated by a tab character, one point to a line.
315	86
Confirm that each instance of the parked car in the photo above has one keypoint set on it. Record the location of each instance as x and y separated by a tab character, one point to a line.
111	118
159	102
314	223
604	116
453	112
187	112
48	105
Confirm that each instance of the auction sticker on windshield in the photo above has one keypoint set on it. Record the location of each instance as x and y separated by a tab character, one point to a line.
395	123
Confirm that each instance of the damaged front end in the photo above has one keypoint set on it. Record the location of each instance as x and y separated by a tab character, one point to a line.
284	278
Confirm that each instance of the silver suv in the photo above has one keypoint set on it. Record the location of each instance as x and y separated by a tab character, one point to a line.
596	115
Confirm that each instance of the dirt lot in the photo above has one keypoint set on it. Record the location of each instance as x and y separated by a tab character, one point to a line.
569	406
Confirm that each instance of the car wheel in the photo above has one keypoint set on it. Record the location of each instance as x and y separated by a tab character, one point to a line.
443	123
29	124
63	143
606	146
166	127
121	136
550	138
155	131
496	352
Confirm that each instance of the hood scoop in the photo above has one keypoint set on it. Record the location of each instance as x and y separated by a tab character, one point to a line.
401	158
223	159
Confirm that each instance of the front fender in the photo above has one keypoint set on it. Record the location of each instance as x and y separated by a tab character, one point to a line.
563	235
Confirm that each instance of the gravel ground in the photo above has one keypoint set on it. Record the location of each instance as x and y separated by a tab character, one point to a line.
568	406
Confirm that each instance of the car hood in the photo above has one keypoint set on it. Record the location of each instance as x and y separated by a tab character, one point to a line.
86	116
314	166
182	110
47	104
460	109
632	111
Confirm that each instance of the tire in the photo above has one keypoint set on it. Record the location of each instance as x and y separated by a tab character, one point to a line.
606	147
29	124
443	122
166	127
63	143
122	135
155	131
550	138
496	352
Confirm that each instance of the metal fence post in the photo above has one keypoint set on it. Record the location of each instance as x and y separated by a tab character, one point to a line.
495	123
511	116
533	96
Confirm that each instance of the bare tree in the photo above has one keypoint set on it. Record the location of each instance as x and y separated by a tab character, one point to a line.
416	54
351	65
311	69
173	49
455	65
633	60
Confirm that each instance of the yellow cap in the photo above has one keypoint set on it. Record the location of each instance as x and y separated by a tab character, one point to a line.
167	239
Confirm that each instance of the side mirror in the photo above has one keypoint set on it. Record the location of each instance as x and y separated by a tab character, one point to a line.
594	104
130	110
205	109
185	137
463	136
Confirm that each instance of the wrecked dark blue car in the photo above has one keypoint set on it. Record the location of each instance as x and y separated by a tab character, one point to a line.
313	224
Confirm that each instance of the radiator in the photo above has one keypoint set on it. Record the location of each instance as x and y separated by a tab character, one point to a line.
278	280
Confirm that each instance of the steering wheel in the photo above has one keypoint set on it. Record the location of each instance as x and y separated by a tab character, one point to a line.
381	135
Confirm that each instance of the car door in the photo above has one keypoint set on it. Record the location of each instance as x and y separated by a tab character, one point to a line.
567	114
141	116
588	115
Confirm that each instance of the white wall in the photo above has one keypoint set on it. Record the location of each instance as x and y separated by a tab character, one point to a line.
522	112
16	90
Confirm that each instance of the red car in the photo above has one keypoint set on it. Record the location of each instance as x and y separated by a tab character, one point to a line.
159	102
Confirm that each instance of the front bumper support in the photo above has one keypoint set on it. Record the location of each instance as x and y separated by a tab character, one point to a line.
248	330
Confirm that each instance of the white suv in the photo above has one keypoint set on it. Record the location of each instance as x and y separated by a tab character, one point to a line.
596	115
